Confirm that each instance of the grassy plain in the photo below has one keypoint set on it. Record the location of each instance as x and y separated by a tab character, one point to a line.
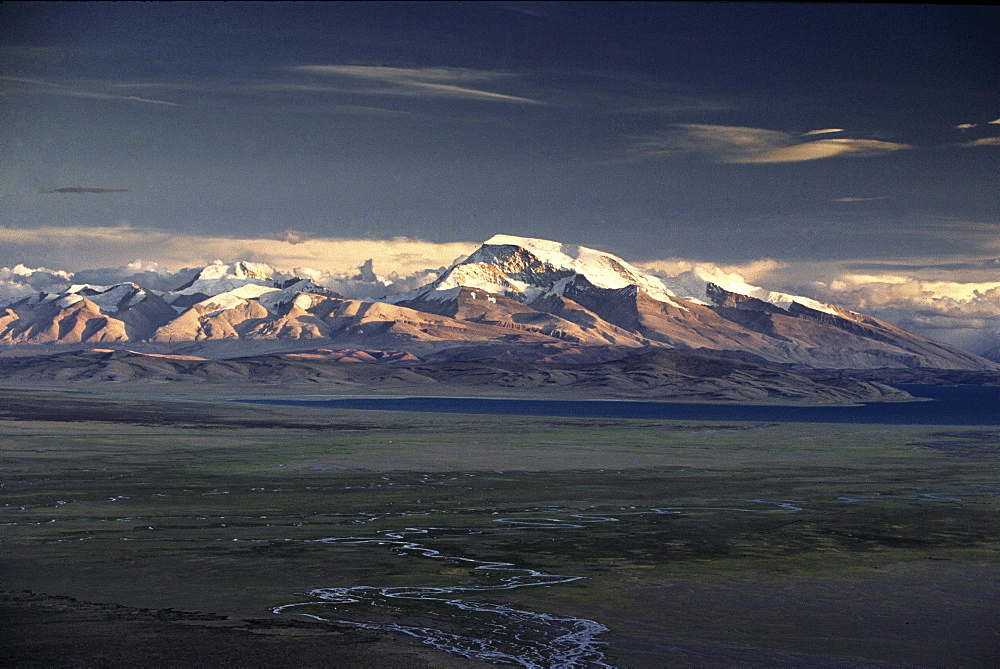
176	525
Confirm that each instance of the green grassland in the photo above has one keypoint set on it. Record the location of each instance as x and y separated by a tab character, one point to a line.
700	543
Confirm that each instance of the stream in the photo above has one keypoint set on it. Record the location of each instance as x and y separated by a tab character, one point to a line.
491	632
459	619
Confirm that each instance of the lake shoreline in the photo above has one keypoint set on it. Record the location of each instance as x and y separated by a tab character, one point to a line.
956	405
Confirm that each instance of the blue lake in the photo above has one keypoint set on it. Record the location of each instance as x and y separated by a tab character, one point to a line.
951	405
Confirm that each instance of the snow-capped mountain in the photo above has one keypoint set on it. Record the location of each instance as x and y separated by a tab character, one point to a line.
219	277
530	268
511	292
239	302
698	310
124	312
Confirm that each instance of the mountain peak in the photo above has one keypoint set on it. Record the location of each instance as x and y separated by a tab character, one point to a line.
605	270
552	265
220	277
239	270
555	253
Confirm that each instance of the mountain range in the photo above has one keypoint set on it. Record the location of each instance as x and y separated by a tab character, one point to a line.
514	298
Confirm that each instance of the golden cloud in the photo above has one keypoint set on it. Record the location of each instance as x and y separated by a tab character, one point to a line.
742	145
116	246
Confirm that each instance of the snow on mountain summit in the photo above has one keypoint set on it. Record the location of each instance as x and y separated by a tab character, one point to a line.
603	270
527	268
220	277
697	284
109	299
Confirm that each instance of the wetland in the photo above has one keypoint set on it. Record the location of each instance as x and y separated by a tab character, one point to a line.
140	527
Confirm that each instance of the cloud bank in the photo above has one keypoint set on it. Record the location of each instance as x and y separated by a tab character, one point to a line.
965	314
357	268
79	248
956	301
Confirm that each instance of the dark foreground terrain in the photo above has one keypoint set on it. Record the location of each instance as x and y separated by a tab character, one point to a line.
143	531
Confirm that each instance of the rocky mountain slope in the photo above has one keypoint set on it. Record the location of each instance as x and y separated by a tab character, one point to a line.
527	293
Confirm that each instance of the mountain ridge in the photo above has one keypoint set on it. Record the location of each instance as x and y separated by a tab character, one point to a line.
517	290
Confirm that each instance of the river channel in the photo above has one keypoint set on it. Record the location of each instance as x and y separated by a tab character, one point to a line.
462	619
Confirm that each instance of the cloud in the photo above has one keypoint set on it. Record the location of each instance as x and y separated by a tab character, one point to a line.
392	265
80	248
86	189
955	300
539	10
966	126
860	199
966	314
734	144
995	122
822	132
980	235
941	304
20	281
744	272
319	106
292	236
823	148
971	268
40	86
362	283
437	82
148	274
983	141
951	299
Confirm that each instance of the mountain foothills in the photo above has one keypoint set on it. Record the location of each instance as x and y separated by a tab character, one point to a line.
520	307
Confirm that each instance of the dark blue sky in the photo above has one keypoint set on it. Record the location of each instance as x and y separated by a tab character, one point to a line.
652	130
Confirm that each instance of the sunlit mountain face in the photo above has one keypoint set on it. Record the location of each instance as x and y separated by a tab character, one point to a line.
517	291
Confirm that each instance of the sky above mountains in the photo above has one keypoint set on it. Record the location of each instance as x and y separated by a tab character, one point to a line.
848	152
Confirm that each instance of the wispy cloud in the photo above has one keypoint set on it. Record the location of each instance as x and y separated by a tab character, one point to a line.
439	82
966	126
43	87
860	199
86	189
825	131
734	144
